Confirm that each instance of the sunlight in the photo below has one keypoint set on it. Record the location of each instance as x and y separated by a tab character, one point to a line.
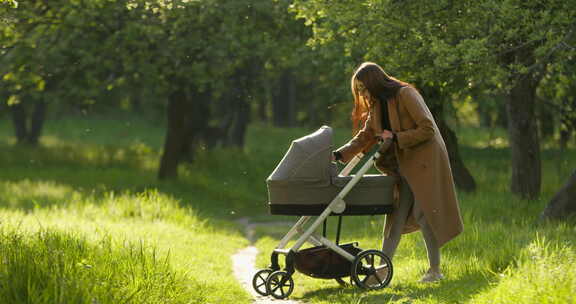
27	194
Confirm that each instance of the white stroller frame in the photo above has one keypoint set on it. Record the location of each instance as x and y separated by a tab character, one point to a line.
280	279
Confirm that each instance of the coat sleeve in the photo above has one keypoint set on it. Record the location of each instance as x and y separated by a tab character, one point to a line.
363	140
414	104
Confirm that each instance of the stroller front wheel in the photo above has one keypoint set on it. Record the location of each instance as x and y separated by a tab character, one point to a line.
280	284
371	269
259	281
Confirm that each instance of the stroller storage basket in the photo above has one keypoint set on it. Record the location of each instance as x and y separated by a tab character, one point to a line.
324	263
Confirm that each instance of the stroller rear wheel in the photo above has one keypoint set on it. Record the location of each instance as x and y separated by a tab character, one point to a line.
259	281
280	284
371	269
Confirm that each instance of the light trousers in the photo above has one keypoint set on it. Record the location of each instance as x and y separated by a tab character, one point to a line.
390	243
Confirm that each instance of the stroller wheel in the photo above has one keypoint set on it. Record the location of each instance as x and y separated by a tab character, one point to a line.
280	284
371	269
259	281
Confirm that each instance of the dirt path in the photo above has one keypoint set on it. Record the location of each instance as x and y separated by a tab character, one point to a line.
244	262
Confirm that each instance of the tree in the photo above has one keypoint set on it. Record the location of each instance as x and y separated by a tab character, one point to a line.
183	56
563	204
404	53
66	53
224	54
514	43
502	47
558	95
20	81
238	58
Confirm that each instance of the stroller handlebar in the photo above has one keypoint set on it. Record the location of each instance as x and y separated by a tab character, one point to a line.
382	145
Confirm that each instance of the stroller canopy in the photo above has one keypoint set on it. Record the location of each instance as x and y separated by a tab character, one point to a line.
307	160
306	181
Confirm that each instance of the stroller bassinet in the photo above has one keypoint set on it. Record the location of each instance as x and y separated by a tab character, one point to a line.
306	181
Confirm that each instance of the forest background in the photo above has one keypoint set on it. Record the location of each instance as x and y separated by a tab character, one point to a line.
206	71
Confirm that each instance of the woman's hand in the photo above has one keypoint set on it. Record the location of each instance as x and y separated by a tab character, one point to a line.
387	134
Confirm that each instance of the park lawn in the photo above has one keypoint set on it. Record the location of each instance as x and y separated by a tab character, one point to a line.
194	253
86	187
85	220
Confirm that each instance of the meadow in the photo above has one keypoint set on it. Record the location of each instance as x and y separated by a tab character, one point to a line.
83	219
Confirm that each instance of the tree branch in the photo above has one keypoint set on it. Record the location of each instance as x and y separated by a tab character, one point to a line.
548	56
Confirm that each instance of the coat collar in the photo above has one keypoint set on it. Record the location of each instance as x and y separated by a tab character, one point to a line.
376	117
393	115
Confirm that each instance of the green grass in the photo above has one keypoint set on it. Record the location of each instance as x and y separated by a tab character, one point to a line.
120	234
57	267
196	250
84	191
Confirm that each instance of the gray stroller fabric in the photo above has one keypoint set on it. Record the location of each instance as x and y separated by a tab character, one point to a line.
306	181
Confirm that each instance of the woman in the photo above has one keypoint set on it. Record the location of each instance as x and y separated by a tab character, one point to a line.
388	108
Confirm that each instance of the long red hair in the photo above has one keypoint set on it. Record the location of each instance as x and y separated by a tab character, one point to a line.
380	85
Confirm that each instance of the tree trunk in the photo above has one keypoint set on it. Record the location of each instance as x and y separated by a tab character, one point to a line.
136	103
462	177
524	142
37	122
238	106
545	120
291	91
564	138
19	121
502	115
237	133
568	123
284	101
188	115
563	204
262	110
483	112
28	128
177	134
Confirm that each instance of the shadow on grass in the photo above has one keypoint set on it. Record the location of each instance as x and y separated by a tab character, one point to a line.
448	291
50	177
26	195
216	191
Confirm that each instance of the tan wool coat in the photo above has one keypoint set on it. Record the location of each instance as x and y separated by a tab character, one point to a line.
420	157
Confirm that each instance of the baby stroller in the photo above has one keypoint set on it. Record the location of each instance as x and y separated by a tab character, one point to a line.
306	183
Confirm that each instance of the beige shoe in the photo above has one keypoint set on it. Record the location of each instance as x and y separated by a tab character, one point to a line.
379	277
431	276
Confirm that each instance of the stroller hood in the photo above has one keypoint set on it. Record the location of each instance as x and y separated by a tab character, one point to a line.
306	181
307	160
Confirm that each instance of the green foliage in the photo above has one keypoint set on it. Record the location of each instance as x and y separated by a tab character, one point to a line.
10	3
110	54
99	54
50	266
430	39
558	92
464	47
93	46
